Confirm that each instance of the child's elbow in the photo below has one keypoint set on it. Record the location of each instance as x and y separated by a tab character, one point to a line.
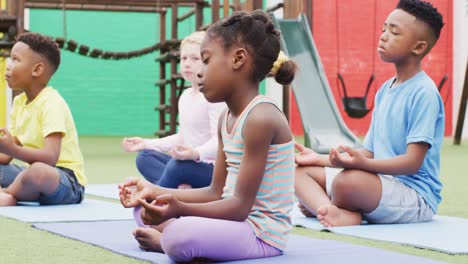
414	169
242	210
52	160
241	216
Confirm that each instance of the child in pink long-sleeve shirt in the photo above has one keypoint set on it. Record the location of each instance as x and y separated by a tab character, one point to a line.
186	158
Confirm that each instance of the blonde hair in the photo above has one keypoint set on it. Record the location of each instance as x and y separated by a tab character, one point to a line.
194	38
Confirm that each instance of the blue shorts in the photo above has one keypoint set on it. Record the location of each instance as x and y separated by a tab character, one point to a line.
399	204
69	191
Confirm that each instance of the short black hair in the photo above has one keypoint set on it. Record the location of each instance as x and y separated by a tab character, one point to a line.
43	46
425	12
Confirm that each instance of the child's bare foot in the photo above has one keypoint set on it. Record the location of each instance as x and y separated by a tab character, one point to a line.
148	238
184	186
330	215
305	211
6	199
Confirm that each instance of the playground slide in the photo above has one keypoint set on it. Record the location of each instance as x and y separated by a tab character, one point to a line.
323	125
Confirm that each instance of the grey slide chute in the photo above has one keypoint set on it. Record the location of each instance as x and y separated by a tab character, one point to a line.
323	125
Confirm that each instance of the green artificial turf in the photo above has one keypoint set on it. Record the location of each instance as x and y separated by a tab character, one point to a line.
105	162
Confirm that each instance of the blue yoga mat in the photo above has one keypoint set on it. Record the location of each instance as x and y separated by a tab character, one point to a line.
445	234
116	236
103	190
298	219
88	210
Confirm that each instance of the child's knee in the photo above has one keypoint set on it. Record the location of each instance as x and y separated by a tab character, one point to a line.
345	182
37	172
175	169
177	243
142	158
177	248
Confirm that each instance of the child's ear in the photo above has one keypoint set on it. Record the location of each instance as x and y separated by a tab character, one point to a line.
38	69
420	47
240	55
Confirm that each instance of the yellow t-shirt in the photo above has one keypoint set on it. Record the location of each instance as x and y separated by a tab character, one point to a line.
48	113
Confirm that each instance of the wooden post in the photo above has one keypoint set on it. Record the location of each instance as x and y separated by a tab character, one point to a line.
173	96
162	76
198	16
462	110
11	7
226	8
309	11
292	9
214	11
257	4
237	5
247	5
20	16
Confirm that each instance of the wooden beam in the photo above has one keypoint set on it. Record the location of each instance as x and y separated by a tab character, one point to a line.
190	13
120	2
462	110
111	5
113	8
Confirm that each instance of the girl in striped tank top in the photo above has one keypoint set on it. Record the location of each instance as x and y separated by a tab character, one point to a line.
244	213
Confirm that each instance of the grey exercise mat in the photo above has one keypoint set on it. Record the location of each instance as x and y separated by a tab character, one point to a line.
88	210
445	234
116	237
103	190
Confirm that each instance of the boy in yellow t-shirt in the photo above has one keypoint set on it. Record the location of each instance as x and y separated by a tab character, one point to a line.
41	131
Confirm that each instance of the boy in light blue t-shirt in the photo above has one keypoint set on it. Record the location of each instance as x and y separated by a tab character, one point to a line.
394	177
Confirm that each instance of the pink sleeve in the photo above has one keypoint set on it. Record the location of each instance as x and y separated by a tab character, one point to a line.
163	144
209	150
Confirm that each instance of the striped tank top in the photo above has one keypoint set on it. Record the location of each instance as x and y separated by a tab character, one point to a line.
269	217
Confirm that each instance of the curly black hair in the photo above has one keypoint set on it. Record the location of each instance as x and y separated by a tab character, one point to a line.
425	12
255	31
43	46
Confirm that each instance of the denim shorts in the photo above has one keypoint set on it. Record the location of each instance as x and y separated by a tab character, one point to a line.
398	204
69	191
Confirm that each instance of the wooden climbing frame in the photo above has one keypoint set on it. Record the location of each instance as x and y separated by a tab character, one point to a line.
462	110
169	54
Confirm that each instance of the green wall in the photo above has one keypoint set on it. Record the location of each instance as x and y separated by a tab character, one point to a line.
109	97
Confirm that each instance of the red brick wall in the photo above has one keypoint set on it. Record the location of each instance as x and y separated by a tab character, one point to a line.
346	34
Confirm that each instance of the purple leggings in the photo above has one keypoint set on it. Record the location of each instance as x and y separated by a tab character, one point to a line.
221	240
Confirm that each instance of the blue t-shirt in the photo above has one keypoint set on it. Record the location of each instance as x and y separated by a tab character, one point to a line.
410	112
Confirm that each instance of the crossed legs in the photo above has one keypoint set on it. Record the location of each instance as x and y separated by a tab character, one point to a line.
38	179
354	192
